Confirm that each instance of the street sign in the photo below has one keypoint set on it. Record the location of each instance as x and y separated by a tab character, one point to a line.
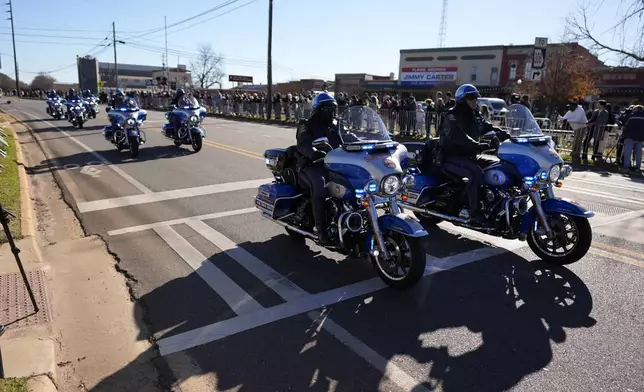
240	79
541	43
538	58
539	54
536	76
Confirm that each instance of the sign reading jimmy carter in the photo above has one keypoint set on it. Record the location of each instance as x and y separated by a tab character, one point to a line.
428	75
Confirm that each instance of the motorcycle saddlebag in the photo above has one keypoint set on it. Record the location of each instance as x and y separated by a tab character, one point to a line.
276	200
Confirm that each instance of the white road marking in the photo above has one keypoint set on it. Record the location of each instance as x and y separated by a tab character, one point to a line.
289	291
134	229
124	201
277	282
603	195
238	300
616	184
268	136
387	367
85	147
609	220
91	171
222	329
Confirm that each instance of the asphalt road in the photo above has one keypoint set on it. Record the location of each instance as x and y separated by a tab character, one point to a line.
229	291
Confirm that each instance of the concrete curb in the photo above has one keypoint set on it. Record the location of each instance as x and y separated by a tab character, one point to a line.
27	221
30	357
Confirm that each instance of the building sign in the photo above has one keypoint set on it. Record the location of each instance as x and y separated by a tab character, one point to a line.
240	79
428	75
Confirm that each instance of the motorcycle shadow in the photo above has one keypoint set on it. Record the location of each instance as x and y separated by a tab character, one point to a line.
484	326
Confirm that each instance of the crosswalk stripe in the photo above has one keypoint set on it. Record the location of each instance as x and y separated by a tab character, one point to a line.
271	278
236	298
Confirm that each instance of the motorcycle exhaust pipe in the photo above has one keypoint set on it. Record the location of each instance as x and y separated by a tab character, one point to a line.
520	205
295	229
432	213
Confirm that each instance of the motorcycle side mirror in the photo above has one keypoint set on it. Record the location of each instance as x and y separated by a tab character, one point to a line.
320	143
107	109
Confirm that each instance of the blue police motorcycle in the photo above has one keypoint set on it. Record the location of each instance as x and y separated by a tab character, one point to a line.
125	131
364	174
76	113
189	131
55	107
518	198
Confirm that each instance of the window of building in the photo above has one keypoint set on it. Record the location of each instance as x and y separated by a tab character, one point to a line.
473	74
446	58
428	58
494	76
478	57
513	70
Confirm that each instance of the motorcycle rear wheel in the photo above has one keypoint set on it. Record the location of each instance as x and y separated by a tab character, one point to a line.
403	250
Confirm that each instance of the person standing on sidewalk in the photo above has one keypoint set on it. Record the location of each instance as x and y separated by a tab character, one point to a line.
576	118
633	135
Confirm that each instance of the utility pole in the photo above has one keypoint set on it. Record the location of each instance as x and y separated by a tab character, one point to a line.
15	58
116	66
269	62
166	72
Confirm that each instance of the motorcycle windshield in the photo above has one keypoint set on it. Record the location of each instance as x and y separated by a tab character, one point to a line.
361	124
519	122
188	102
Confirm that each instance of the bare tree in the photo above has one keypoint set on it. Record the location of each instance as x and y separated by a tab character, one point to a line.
206	69
43	81
627	33
567	75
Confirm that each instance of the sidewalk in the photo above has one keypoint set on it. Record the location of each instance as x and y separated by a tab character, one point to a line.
88	329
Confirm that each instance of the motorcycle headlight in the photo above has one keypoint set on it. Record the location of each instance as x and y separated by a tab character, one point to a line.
194	119
553	174
130	122
390	185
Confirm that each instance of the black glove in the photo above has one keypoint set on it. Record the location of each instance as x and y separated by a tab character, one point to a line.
484	146
317	154
495	143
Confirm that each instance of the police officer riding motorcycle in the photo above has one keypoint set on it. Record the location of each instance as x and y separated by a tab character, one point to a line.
174	119
311	162
461	147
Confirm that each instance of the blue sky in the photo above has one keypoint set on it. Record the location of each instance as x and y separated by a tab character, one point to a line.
310	38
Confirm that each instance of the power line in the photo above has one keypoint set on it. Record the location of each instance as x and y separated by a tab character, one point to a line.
50	43
216	8
53	36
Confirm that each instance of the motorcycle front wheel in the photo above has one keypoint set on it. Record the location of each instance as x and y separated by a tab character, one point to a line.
406	263
134	146
197	143
571	239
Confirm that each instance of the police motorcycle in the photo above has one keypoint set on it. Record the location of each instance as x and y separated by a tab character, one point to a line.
55	107
364	175
126	129
91	106
518	195
190	131
77	115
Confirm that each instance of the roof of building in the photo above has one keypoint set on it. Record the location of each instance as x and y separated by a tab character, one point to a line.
129	67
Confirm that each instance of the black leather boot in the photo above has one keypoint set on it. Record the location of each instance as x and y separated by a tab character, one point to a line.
319	214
